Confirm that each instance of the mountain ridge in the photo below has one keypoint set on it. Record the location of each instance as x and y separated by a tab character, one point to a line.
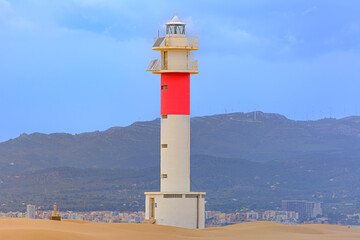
263	138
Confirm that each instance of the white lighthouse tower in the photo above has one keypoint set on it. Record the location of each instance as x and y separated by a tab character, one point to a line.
175	205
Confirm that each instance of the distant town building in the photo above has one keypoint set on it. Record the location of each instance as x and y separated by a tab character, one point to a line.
30	211
305	209
252	216
279	216
212	214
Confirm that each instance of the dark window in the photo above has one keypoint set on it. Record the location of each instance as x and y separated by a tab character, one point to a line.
164	145
164	87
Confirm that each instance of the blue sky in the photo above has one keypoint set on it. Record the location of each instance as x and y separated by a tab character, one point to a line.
77	66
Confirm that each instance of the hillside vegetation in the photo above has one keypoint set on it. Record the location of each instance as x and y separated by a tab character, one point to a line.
240	161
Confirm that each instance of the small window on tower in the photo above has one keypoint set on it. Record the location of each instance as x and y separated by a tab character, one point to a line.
164	116
164	145
163	87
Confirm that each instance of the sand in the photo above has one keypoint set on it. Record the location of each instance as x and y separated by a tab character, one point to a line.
31	229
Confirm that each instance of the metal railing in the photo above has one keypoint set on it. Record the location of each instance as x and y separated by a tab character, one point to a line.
193	65
192	42
159	42
155	65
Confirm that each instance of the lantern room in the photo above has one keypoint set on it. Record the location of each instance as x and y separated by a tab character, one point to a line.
175	28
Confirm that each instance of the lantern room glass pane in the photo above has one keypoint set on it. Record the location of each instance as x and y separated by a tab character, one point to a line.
175	29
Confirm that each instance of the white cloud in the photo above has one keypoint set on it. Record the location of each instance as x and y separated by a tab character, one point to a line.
13	21
5	9
309	10
240	35
291	39
4	4
353	28
231	33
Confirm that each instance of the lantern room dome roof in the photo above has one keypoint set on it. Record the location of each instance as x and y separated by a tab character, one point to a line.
175	20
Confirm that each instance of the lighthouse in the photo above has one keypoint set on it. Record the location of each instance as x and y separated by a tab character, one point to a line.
175	204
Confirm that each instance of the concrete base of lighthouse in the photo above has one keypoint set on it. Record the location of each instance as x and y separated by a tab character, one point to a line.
179	209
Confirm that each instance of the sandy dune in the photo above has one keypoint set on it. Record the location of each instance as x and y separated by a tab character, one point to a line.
28	229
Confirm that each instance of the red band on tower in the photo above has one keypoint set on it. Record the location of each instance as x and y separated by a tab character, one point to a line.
175	93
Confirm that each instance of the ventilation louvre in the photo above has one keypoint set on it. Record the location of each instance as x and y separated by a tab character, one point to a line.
173	195
192	195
